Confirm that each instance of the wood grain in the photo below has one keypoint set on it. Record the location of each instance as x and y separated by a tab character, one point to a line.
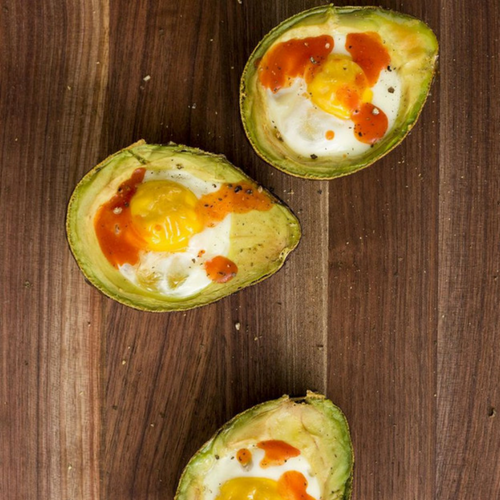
52	98
468	429
389	305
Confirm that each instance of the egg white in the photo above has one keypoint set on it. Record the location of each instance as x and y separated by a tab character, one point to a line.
302	125
227	467
181	274
198	186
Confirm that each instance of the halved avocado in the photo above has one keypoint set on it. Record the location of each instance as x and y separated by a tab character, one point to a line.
412	48
310	433
260	240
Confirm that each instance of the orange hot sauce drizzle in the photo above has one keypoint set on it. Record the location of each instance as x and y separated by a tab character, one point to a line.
244	456
370	123
276	452
293	58
220	269
236	198
368	51
292	485
113	218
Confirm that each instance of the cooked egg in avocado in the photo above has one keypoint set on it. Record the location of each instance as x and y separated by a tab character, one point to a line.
169	227
286	449
331	90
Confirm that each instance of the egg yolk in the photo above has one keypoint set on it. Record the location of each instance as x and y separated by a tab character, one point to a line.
249	488
291	485
339	86
164	215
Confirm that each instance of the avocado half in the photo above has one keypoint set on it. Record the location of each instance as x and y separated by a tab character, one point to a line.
413	49
313	425
260	241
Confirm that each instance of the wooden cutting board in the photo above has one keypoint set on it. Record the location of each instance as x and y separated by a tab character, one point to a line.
390	305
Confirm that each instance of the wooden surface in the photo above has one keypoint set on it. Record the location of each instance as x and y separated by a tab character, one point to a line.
390	305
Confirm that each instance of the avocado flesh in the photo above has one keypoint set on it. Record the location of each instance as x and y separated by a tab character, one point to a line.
312	424
413	48
260	240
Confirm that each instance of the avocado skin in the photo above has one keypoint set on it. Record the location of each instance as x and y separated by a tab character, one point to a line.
418	78
323	419
98	272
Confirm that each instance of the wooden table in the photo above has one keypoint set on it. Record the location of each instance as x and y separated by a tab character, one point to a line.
390	305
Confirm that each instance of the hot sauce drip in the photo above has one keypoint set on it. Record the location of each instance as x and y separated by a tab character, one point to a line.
112	221
288	60
370	123
292	485
276	452
244	456
368	51
238	198
220	269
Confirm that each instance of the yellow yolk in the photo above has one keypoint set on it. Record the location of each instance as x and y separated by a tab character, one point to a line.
339	86
249	488
164	215
292	485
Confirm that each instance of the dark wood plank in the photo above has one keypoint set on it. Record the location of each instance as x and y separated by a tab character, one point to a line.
172	380
383	289
468	429
383	307
52	93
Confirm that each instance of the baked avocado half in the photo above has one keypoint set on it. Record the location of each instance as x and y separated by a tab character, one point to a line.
165	228
288	448
331	90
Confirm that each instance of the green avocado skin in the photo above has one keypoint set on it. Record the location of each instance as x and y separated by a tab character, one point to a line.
260	241
416	52
312	423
